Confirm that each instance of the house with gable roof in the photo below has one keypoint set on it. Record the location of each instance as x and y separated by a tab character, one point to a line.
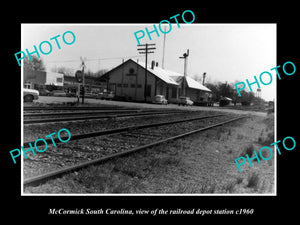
129	82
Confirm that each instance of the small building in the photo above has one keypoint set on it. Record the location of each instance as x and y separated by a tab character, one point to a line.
40	79
129	82
224	101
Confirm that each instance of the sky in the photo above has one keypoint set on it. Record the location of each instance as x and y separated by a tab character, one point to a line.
225	52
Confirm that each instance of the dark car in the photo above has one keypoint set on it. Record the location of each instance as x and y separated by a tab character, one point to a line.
44	92
59	93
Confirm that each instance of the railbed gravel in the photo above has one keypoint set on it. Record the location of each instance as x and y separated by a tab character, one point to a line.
35	131
74	152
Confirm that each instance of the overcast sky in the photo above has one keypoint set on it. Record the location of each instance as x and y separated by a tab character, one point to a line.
226	52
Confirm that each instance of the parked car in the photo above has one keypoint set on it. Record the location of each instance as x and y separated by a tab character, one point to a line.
109	95
160	99
87	94
90	94
185	101
57	93
44	92
106	95
30	94
71	94
100	95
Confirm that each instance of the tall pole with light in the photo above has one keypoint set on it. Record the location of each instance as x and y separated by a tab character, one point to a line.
185	56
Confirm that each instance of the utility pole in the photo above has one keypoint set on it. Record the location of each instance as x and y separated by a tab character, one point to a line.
83	80
185	56
146	52
163	58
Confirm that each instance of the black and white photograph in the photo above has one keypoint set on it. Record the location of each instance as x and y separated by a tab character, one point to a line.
107	111
149	111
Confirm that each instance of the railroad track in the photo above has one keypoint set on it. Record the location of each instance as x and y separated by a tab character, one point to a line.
85	115
113	143
104	111
36	109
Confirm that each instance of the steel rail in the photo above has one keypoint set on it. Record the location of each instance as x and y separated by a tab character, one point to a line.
117	130
54	174
95	112
61	119
78	113
33	108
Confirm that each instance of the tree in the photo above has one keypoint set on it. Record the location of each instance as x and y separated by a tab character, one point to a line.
246	98
228	90
36	63
225	90
97	74
214	90
197	77
220	89
63	70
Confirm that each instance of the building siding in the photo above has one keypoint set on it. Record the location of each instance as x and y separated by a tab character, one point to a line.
128	81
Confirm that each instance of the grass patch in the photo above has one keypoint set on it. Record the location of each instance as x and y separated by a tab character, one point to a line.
207	187
229	187
267	135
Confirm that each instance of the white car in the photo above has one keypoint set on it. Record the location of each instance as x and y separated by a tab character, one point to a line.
30	94
185	101
160	99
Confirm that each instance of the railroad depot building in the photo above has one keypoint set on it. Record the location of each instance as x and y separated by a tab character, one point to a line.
128	82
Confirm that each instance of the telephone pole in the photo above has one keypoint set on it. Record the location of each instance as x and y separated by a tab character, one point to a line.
146	52
185	56
83	80
163	58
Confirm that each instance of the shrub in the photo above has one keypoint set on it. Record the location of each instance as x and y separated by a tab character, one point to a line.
248	151
253	181
239	180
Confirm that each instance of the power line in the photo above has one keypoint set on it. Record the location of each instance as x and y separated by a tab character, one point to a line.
133	56
76	60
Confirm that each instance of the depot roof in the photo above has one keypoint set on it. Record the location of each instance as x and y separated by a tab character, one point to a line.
174	78
195	84
168	76
165	75
226	98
